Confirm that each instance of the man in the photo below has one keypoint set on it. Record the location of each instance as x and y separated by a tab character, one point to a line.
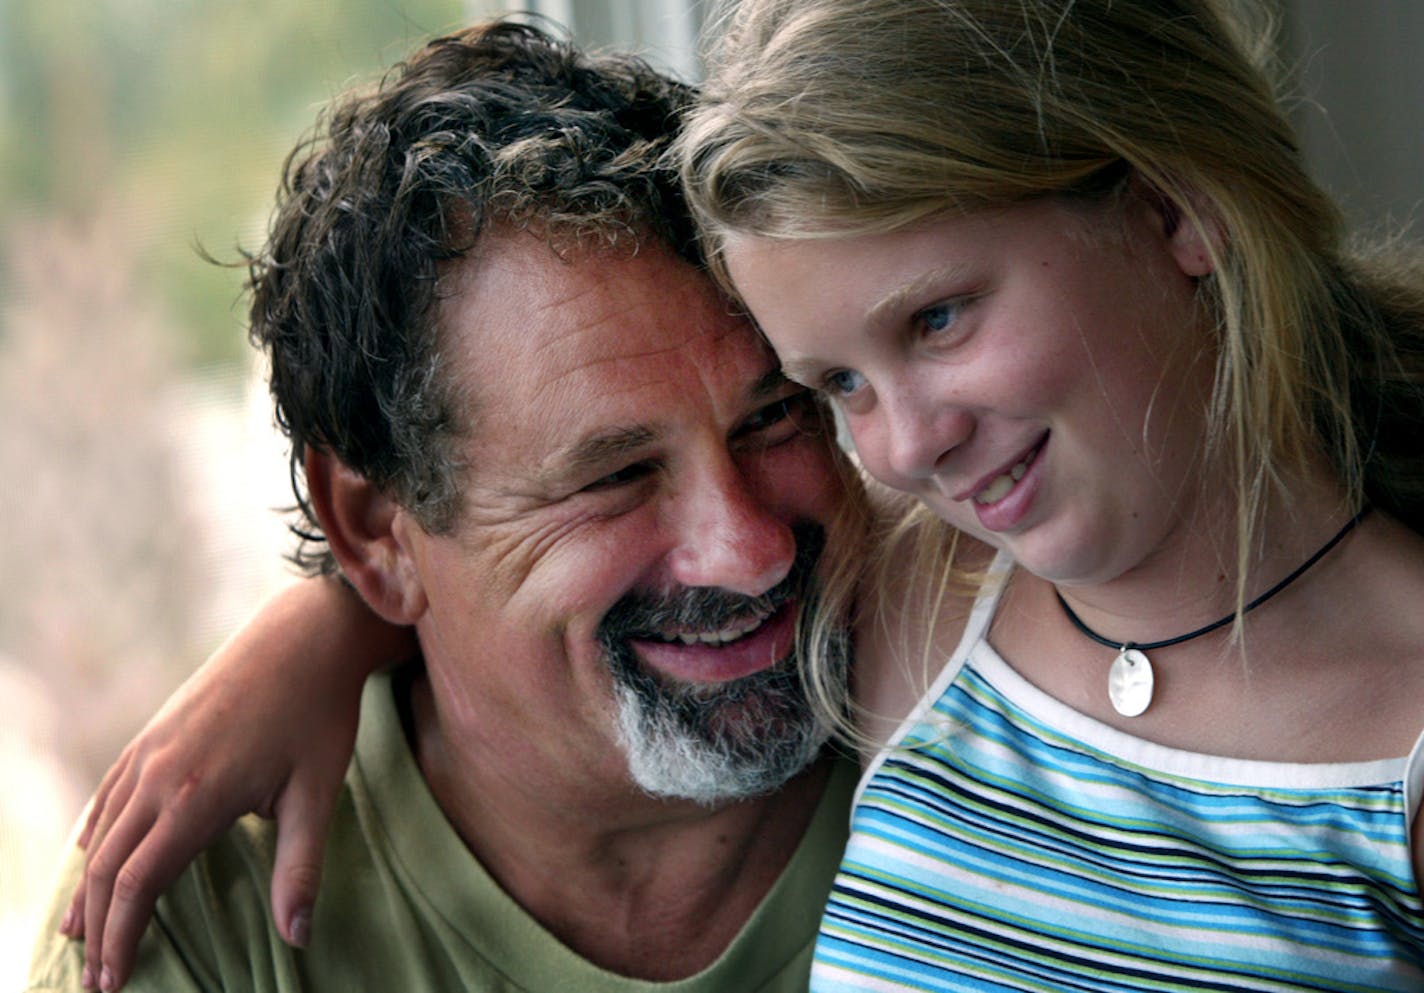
529	427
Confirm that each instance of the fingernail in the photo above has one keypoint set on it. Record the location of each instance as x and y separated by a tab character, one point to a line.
66	926
87	980
106	980
299	929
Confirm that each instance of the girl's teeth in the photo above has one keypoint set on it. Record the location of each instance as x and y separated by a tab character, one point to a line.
996	490
1000	487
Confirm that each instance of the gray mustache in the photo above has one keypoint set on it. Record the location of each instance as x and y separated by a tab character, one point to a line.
700	608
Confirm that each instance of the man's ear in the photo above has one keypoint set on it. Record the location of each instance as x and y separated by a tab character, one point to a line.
367	533
1192	233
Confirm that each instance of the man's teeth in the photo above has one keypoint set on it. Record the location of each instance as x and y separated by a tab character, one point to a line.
1001	485
720	637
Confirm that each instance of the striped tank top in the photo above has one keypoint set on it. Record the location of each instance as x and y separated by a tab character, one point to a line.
1007	842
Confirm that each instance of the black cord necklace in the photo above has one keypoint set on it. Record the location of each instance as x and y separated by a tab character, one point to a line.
1130	680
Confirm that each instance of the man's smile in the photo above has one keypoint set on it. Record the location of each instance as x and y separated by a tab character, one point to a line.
731	631
722	654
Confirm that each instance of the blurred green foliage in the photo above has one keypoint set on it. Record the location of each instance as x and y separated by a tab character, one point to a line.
174	116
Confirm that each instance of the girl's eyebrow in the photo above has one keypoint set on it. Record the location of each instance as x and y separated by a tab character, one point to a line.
800	371
910	293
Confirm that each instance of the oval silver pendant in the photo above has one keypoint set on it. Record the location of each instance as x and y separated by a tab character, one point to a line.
1130	682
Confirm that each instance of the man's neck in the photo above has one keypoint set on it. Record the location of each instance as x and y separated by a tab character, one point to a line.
649	888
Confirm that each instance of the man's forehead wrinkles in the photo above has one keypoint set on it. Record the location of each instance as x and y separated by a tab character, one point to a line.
596	383
581	356
589	280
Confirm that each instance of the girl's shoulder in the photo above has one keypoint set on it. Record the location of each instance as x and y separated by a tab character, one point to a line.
1377	627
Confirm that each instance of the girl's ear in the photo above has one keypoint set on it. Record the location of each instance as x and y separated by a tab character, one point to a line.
1192	234
367	533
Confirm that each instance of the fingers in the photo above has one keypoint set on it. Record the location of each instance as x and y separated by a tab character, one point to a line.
303	815
161	855
144	838
71	925
100	803
111	799
107	871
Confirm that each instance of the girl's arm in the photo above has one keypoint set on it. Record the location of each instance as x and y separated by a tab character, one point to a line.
267	725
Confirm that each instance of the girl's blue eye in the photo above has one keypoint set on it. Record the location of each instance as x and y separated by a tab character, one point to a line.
843	382
939	317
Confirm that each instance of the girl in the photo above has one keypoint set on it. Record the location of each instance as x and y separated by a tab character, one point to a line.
1059	267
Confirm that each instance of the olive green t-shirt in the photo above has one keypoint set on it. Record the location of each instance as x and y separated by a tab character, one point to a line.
405	907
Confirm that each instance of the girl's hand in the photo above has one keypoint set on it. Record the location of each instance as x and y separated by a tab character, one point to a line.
267	725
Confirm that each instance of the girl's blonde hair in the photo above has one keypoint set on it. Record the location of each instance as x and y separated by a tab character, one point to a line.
823	118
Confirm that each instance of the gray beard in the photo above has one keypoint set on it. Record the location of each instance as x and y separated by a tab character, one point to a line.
715	744
740	740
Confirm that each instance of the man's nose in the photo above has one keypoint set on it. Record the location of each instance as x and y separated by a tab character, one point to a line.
729	537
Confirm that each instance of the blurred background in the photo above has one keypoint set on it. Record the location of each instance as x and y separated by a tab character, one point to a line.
140	476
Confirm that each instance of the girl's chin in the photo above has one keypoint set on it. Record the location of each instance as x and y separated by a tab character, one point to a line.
1058	562
1055	551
